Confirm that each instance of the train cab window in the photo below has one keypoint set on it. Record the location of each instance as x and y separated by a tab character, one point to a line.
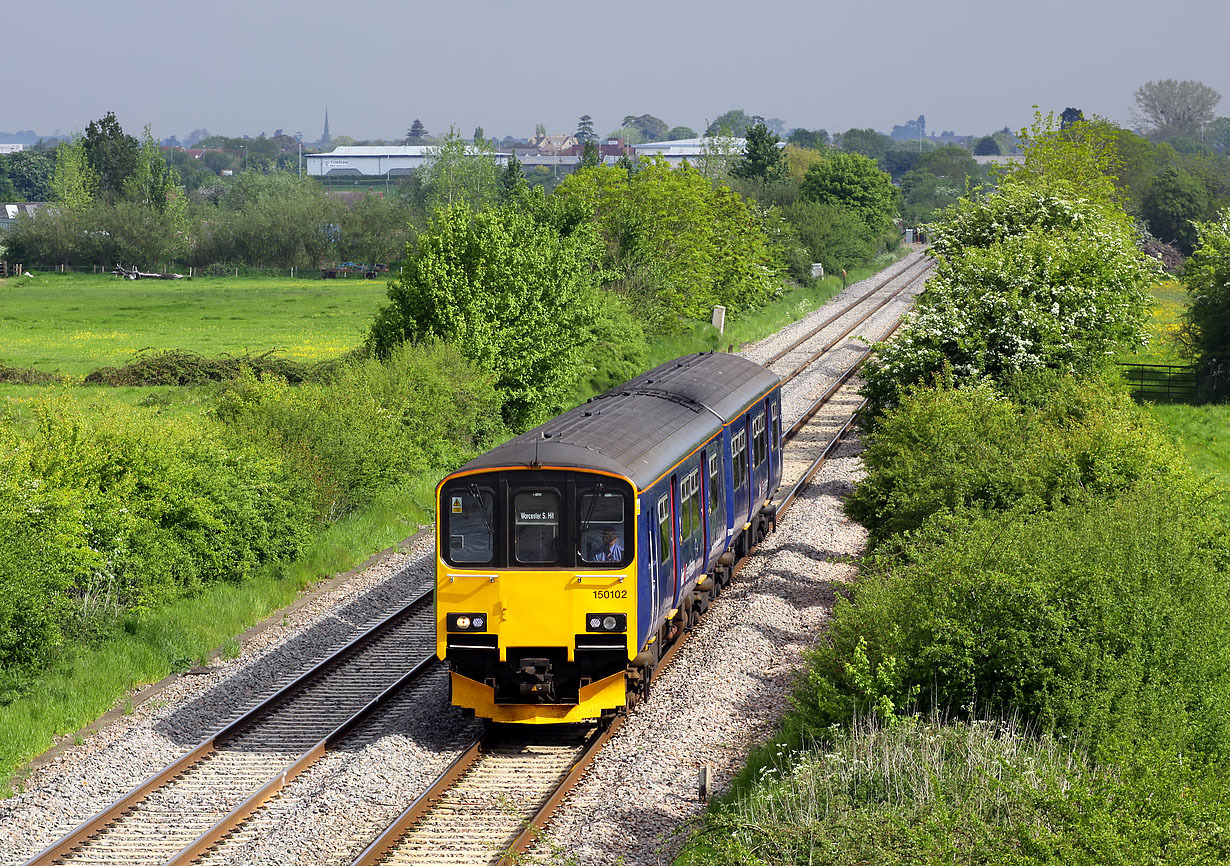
760	442
471	527
665	542
602	523
536	527
738	458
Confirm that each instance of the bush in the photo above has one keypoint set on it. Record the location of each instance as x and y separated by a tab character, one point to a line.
373	425
1207	274
1107	618
945	449
832	234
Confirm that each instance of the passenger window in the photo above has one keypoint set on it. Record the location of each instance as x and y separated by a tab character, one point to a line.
471	536
602	527
759	442
738	456
665	543
715	486
694	521
536	526
777	429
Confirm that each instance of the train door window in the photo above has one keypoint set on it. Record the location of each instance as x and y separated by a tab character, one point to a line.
715	488
685	508
601	516
536	526
471	524
760	442
777	428
692	483
738	458
665	543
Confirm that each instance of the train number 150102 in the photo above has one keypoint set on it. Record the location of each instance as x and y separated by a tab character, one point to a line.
610	593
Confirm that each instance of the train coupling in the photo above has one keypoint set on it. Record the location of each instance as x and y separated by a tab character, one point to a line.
537	678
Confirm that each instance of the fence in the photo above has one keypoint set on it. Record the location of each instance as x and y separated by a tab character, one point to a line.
1161	381
8	269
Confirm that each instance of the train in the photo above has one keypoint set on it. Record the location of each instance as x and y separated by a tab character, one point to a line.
569	558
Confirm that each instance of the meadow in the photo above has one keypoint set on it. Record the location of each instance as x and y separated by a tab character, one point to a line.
71	324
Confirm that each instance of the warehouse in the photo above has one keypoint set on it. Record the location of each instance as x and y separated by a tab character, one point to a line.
383	161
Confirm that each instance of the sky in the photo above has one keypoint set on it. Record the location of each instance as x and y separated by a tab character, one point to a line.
242	67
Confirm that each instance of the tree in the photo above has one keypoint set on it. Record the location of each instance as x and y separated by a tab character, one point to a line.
734	123
1070	116
416	133
719	151
1174	203
112	155
678	133
763	160
1176	109
1218	134
816	139
868	142
589	155
986	146
75	184
479	138
30	172
512	178
1207	276
510	293
585	129
834	235
457	171
651	128
853	181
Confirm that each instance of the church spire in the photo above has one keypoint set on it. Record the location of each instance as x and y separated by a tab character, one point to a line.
324	138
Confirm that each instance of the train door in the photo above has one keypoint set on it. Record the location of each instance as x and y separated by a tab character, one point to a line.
691	528
760	459
715	512
661	559
775	444
677	564
740	483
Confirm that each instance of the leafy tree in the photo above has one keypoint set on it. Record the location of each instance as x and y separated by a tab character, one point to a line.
678	133
1174	203
217	160
8	192
1070	116
855	182
1176	109
833	235
719	151
512	177
1218	134
986	146
512	294
589	155
374	229
651	128
763	160
1207	275
816	139
1083	159
585	129
867	142
75	184
416	133
734	123
479	138
457	171
112	154
153	182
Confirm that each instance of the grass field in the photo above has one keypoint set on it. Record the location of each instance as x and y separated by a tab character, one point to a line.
1170	300
74	323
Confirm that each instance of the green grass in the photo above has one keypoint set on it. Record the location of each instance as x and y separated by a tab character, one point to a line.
74	323
176	636
1169	301
1203	432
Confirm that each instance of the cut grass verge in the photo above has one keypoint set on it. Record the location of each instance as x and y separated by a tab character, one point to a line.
178	635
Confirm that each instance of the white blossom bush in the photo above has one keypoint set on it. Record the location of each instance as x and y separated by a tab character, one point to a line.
1028	280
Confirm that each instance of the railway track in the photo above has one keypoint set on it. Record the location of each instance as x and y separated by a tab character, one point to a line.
492	803
178	813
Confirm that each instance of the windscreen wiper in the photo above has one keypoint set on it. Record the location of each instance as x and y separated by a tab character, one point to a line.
482	507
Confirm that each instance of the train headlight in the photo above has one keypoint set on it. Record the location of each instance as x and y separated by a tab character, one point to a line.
612	622
466	622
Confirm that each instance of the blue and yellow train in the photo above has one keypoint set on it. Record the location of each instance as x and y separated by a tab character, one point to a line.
570	557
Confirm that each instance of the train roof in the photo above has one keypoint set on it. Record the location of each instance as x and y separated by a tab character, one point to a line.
645	426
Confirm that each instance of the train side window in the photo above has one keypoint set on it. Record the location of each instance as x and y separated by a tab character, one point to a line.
536	526
738	458
694	521
760	441
665	543
715	485
471	524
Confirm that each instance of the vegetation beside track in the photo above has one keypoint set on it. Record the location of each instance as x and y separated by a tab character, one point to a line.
1034	665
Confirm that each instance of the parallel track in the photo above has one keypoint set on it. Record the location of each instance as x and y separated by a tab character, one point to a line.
191	803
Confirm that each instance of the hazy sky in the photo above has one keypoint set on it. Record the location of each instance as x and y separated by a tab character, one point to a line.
240	67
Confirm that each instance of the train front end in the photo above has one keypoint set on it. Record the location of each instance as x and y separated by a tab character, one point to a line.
536	592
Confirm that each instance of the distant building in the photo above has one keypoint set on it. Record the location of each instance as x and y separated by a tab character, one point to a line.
10	212
11	148
691	149
388	160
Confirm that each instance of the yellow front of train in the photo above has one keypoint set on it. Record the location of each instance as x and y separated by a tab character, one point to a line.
536	592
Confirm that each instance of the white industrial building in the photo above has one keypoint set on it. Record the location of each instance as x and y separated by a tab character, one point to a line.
385	161
691	149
